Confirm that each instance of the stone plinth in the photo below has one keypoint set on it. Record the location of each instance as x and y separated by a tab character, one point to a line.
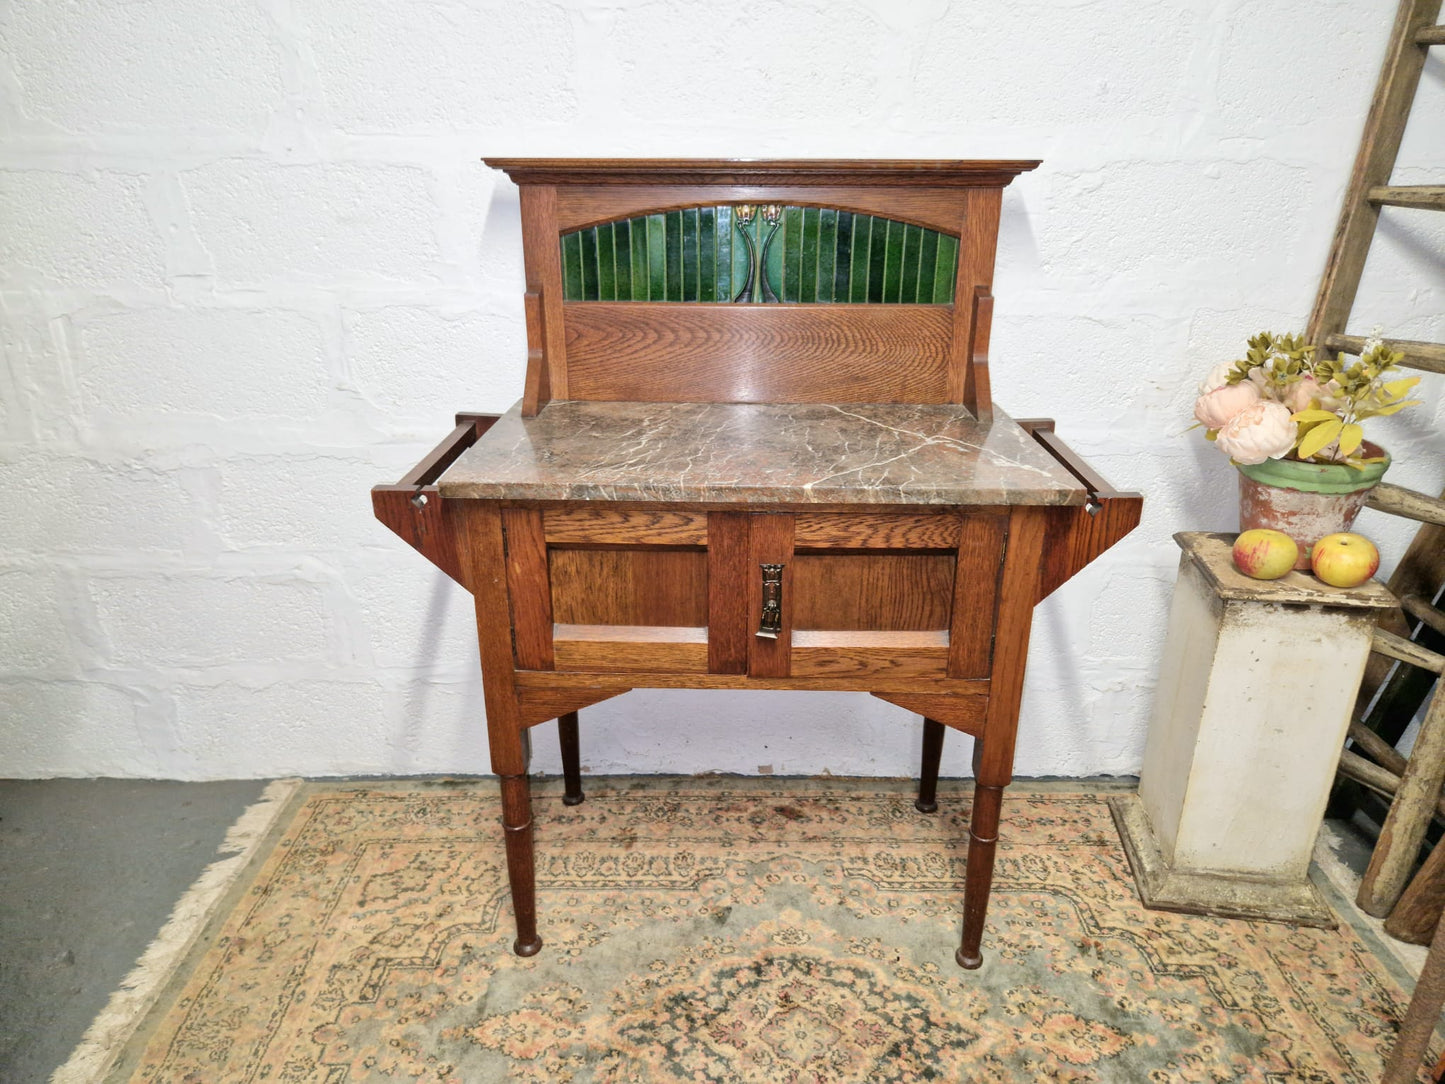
1254	699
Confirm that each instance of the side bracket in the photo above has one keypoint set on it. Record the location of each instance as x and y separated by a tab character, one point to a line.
1076	536
413	508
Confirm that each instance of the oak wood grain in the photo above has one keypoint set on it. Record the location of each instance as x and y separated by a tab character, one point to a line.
424	527
872	591
875	530
727	611
977	246
734	172
975	599
860	653
541	705
663	352
993	752
934	208
962	713
537	387
547	354
528	588
645	527
645	679
629	586
976	394
613	649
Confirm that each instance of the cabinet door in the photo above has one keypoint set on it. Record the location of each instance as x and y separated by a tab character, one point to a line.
599	590
861	594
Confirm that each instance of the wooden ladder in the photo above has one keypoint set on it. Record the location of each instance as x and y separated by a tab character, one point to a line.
1413	786
1414	32
1406	636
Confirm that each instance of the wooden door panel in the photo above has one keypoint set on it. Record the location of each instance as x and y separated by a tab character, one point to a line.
884	592
646	587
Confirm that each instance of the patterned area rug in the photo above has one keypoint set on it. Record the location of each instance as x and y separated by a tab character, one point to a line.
720	929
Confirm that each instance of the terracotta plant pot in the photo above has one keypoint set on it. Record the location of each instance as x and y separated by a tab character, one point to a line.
1306	500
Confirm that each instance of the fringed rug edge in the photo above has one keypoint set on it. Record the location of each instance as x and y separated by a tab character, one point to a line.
109	1032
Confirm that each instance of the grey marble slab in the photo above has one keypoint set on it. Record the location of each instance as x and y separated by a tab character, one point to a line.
760	453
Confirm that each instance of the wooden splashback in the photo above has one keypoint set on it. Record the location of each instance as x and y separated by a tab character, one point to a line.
715	351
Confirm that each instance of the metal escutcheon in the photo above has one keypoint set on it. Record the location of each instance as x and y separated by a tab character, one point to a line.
772	620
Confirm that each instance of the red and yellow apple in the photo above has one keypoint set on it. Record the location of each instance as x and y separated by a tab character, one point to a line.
1345	559
1264	554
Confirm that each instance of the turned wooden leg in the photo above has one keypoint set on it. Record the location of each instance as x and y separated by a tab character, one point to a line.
521	875
928	773
978	879
571	758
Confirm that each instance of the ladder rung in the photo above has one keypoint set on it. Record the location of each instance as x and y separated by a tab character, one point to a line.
1399	501
1428	196
1397	647
1421	609
1418	355
1430	35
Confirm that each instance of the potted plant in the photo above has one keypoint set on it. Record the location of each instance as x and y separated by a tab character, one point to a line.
1291	423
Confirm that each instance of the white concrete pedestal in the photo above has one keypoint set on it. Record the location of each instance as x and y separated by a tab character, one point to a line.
1255	694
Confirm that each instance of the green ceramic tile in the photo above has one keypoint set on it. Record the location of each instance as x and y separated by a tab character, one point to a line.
808	265
792	242
877	259
843	257
571	267
606	264
827	252
893	264
691	255
927	261
622	237
656	258
862	245
673	252
589	265
707	254
946	270
637	227
725	287
912	245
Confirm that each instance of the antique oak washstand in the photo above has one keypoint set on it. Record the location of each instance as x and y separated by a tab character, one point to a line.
756	450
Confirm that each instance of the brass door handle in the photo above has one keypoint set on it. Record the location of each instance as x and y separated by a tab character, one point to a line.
772	618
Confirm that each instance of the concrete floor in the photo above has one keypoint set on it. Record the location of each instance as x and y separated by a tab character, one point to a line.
89	872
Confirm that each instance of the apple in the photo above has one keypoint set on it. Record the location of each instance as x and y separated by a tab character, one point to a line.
1344	560
1265	554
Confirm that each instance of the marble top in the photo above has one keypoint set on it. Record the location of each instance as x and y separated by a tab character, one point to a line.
760	453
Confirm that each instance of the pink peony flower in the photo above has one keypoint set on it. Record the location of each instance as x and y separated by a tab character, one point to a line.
1302	394
1262	431
1217	377
1215	409
1308	392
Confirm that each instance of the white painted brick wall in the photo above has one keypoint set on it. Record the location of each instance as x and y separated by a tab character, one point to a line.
250	264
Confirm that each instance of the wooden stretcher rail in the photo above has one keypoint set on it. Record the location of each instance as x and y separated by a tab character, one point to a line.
1042	430
433	465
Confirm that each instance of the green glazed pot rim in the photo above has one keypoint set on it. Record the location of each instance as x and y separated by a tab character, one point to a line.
1318	477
